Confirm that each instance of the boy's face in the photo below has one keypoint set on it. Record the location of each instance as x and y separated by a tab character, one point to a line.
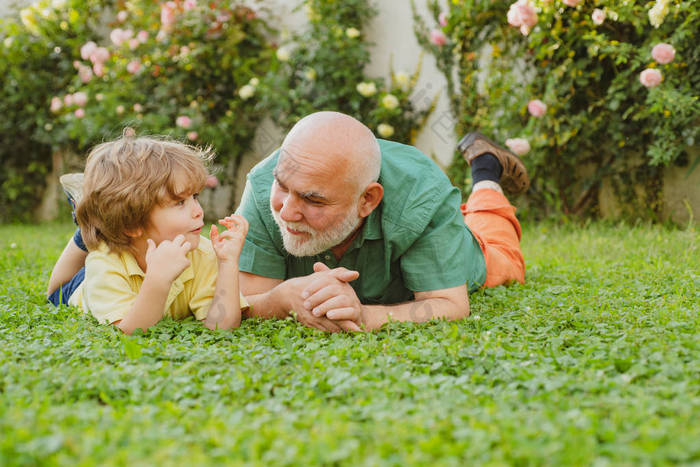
181	216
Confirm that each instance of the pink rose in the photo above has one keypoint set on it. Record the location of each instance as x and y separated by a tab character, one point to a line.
80	99
212	181
87	49
650	77
80	113
142	36
183	121
519	146
121	16
598	16
188	5
438	37
442	19
56	104
192	135
133	67
85	74
98	69
536	107
138	108
167	14
117	36
522	14
133	43
572	3
99	55
68	100
663	53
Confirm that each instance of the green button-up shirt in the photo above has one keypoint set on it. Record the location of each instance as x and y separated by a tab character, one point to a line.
414	241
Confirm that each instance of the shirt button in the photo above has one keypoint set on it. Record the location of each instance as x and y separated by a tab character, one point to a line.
328	257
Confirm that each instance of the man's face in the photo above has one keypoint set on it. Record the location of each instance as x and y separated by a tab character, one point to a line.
313	205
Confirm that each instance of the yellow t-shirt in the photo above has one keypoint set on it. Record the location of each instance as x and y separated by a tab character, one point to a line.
113	280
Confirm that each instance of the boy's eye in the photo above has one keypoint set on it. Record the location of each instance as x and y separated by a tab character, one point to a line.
180	202
195	195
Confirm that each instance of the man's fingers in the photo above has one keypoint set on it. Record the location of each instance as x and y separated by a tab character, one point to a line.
345	275
321	296
179	240
151	245
186	246
347	313
348	325
320	267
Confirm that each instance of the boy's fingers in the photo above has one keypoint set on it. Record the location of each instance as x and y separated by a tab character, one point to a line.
179	240
214	232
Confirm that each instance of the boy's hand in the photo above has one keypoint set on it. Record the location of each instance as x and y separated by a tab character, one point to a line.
167	260
229	243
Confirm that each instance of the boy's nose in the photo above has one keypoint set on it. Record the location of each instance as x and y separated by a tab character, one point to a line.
198	211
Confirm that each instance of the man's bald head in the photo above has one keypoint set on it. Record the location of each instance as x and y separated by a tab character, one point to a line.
336	139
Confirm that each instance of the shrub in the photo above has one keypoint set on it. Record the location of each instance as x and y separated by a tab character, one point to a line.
322	68
183	68
569	76
35	63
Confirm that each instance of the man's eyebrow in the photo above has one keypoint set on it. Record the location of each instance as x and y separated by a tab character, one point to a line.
308	195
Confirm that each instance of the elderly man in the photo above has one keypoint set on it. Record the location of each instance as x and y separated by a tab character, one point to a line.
348	232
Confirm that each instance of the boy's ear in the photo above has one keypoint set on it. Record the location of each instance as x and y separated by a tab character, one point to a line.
134	233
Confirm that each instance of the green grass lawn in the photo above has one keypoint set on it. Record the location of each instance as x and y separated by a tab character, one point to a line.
595	360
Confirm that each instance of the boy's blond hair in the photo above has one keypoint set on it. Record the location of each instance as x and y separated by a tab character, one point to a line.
126	178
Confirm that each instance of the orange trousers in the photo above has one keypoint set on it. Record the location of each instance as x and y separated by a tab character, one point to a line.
491	219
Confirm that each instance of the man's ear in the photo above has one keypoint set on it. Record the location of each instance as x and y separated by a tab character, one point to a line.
370	199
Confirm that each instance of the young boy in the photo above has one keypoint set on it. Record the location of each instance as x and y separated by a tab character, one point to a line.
141	221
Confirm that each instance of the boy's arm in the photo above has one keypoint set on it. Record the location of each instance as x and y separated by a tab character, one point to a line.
163	264
225	309
68	264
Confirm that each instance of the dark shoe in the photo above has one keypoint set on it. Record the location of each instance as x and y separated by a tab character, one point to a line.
73	188
514	178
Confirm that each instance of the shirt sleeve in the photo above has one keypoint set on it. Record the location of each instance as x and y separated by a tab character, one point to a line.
440	257
260	255
107	291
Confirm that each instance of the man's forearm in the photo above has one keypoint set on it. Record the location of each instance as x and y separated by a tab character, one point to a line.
268	305
418	311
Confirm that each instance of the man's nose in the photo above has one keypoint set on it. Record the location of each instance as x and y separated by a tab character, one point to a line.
290	209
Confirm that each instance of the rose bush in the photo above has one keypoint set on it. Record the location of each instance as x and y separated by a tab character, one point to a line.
598	88
321	68
177	68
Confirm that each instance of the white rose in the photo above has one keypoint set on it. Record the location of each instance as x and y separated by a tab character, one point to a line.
385	130
254	82
352	33
519	146
58	4
310	74
390	101
402	79
283	54
246	92
367	89
8	41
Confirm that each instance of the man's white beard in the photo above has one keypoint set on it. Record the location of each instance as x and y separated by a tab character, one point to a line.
314	242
